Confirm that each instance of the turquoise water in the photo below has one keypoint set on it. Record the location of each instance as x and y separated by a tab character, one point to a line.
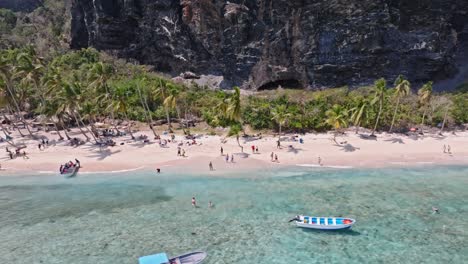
117	218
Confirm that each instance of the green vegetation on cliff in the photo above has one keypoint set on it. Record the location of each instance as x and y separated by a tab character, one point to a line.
80	88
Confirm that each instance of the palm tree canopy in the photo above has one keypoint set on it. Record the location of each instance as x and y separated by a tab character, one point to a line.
359	112
380	89
234	111
337	117
280	114
402	86
425	93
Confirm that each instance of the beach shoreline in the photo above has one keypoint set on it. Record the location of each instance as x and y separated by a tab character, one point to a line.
350	151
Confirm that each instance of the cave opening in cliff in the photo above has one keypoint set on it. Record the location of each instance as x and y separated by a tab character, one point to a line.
285	84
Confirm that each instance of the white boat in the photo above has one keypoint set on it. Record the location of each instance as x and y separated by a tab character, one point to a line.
323	223
71	171
161	258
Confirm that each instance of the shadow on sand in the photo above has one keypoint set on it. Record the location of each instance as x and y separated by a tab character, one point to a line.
395	140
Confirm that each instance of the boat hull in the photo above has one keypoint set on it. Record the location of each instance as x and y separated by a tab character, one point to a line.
190	258
71	173
324	223
321	227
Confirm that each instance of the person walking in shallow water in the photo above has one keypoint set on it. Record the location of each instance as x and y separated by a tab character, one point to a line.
194	202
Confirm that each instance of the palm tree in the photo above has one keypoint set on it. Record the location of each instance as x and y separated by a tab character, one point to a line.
120	105
360	113
447	104
169	93
231	111
99	77
30	70
144	103
8	73
337	118
281	117
425	96
380	89
402	88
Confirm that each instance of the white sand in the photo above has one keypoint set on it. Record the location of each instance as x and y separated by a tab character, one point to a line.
387	151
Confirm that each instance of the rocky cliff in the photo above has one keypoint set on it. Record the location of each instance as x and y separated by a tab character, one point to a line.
260	44
20	5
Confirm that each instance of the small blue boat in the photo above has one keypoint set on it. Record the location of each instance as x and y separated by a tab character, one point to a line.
323	223
161	258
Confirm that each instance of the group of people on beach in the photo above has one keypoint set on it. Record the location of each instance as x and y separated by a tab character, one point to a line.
180	152
254	149
274	157
17	153
447	149
43	144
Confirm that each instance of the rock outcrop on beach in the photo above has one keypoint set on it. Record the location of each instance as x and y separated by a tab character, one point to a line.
263	44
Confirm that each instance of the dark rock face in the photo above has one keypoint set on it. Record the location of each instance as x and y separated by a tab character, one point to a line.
20	5
260	44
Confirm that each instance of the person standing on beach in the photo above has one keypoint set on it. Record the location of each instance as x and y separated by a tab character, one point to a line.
253	149
449	150
278	144
256	149
211	166
227	157
194	202
320	161
232	158
222	151
276	158
445	149
271	156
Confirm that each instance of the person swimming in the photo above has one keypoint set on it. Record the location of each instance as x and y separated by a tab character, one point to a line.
194	202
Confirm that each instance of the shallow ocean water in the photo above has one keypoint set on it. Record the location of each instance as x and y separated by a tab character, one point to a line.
115	218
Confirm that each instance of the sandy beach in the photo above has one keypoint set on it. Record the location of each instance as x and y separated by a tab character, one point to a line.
352	152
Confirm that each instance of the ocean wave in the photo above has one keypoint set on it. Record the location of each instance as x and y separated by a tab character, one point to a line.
324	166
116	171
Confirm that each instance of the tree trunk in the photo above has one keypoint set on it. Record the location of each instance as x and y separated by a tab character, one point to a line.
87	128
422	122
65	128
58	131
168	120
334	137
445	120
394	115
357	127
378	118
8	86
129	129
238	143
79	126
148	117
